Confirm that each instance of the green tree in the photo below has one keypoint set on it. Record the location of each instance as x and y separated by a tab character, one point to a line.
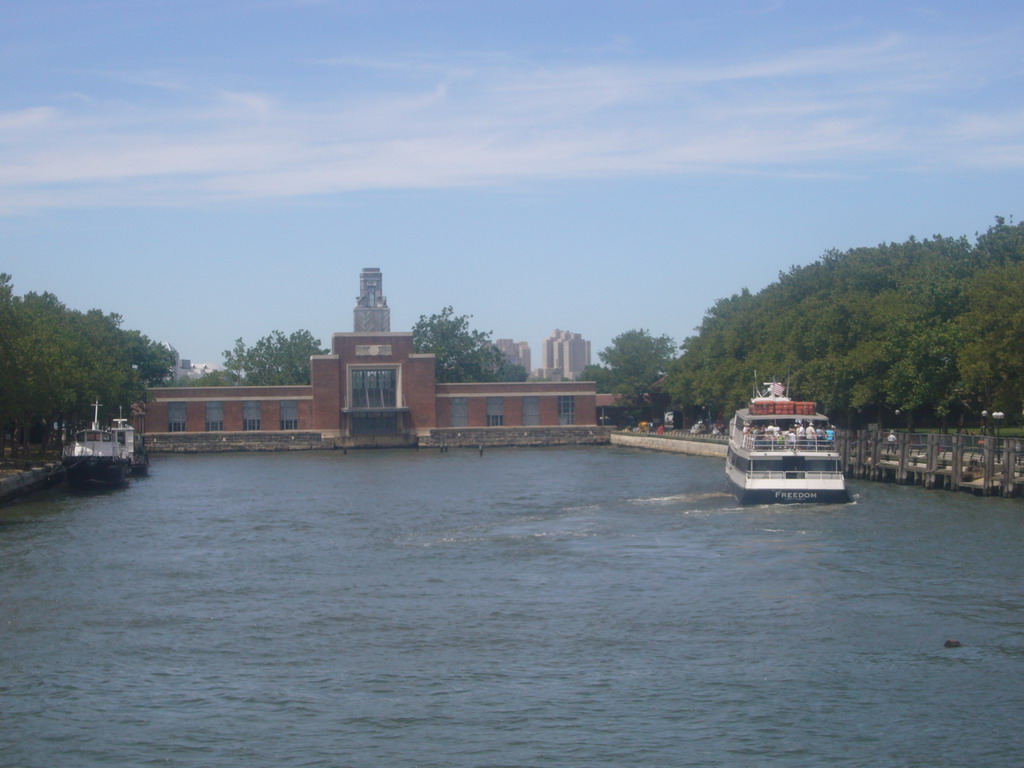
633	363
992	356
8	363
600	375
210	379
507	371
152	361
55	362
461	353
915	326
273	360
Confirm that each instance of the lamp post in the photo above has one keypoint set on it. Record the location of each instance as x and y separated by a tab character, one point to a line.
998	416
984	422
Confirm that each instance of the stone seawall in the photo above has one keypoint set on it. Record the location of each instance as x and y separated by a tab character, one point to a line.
691	447
470	437
219	442
18	484
464	437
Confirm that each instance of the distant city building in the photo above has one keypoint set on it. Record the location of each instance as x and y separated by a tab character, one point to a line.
516	352
371	314
186	370
566	354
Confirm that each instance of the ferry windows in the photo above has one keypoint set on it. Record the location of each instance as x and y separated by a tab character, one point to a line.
289	414
176	417
566	410
821	465
214	416
531	411
374	387
495	412
460	412
251	415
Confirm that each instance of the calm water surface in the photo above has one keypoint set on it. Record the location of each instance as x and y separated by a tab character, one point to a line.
563	607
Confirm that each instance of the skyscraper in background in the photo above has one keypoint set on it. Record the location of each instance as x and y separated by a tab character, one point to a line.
566	354
516	352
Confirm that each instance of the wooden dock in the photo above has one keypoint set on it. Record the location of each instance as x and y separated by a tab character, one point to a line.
984	465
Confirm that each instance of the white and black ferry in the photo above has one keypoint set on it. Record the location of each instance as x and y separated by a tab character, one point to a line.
783	452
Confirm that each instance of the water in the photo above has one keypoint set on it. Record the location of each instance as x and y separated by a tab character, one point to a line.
531	607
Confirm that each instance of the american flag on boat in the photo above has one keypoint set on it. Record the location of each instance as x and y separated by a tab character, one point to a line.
778	390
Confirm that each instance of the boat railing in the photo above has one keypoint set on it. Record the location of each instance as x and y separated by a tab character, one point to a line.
794	475
765	442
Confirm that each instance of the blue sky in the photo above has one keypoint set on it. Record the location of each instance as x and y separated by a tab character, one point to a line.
215	169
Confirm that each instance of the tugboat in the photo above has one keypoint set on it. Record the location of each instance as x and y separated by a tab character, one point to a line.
783	452
134	444
96	458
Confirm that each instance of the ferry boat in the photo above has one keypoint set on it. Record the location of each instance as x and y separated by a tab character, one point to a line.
96	457
783	452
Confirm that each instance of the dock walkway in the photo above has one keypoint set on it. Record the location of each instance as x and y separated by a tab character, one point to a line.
985	465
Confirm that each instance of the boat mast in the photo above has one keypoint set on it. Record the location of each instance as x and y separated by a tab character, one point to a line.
96	415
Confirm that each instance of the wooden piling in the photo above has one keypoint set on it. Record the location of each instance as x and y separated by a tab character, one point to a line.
986	466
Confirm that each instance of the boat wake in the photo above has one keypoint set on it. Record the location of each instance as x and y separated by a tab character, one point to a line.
682	498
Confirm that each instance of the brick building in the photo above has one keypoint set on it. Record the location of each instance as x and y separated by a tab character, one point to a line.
372	390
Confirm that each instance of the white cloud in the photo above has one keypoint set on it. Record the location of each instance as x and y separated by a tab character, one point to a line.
815	111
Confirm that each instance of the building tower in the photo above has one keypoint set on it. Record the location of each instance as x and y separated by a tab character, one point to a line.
566	354
515	352
372	313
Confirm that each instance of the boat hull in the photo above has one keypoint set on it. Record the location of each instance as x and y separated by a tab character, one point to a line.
757	496
96	471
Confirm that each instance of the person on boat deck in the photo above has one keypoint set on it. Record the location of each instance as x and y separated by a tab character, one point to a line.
791	438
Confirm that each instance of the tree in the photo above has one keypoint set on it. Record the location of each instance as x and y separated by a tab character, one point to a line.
634	362
598	374
508	371
462	354
929	327
992	356
8	364
55	362
210	379
152	361
273	360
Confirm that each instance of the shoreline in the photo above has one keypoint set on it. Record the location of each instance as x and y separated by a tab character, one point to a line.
17	484
691	446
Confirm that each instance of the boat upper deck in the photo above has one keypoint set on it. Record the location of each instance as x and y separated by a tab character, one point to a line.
761	432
